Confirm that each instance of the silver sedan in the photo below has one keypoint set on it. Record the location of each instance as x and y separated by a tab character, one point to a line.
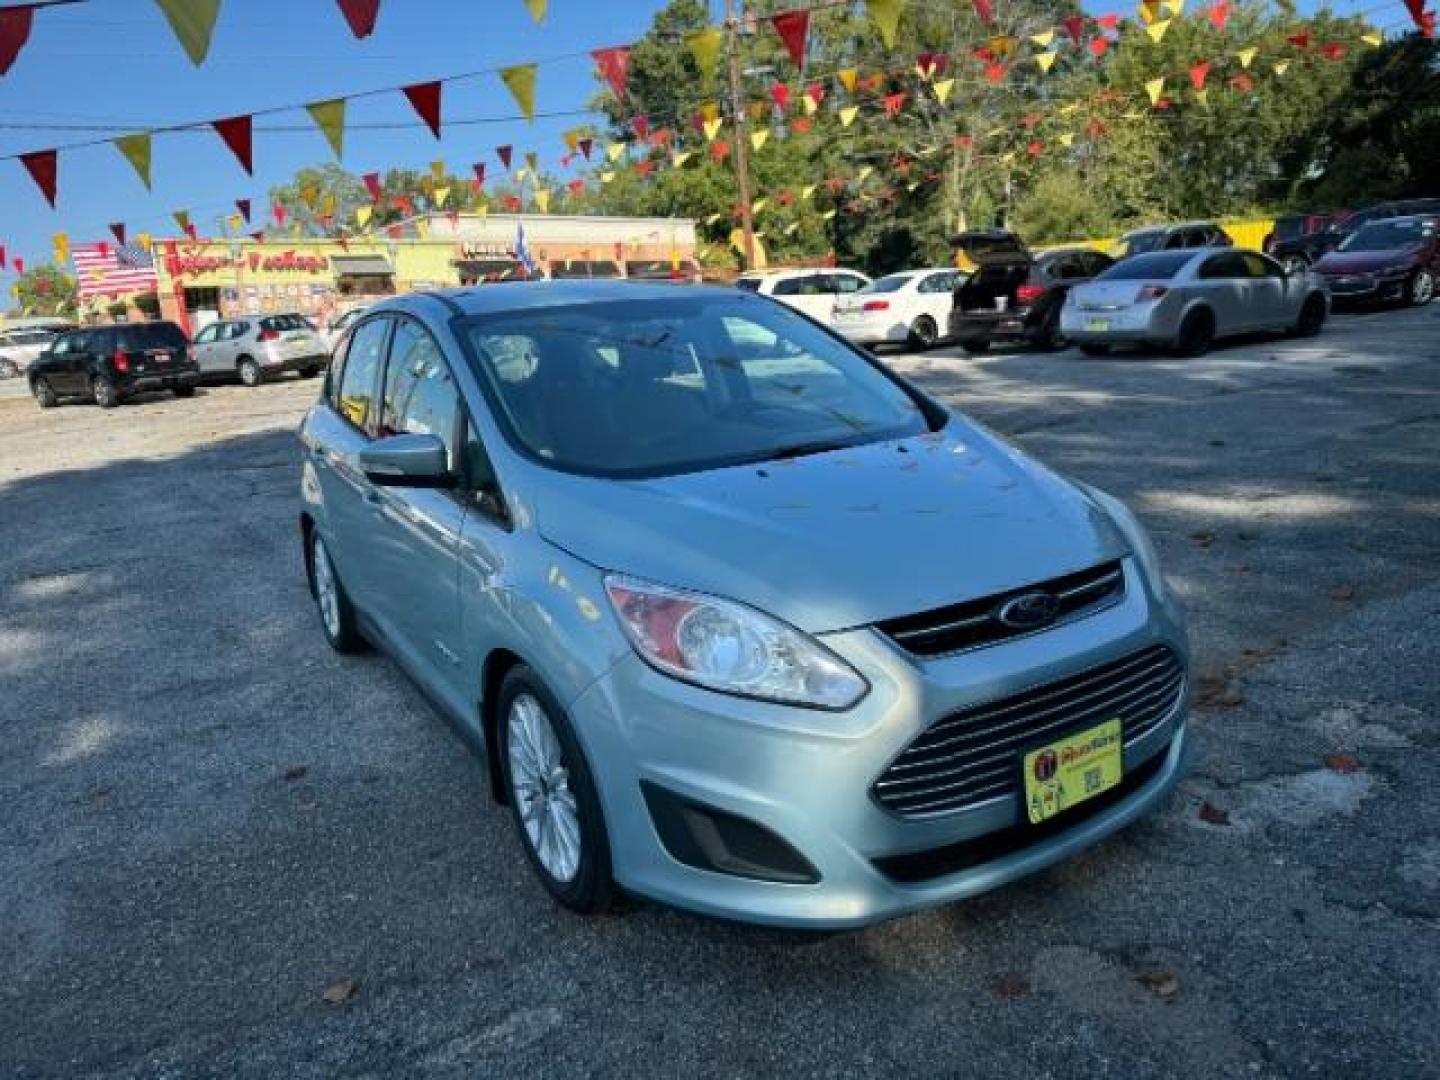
1185	300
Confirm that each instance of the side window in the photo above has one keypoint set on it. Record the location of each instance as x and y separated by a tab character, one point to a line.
845	283
815	285
787	287
420	394
362	368
209	334
65	344
1222	266
1257	266
1175	240
1097	263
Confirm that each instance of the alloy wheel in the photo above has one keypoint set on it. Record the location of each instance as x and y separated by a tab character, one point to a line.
327	592
540	786
1422	288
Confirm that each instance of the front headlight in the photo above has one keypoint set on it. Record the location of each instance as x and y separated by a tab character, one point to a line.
1141	546
1396	270
725	646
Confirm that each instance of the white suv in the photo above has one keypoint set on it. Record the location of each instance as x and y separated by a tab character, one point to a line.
813	291
20	345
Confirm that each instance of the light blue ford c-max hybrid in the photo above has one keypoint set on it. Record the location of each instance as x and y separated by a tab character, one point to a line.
743	622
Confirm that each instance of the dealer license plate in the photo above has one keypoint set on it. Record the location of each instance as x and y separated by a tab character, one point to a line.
1065	773
1097	324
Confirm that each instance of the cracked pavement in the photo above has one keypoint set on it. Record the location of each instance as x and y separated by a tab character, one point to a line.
175	906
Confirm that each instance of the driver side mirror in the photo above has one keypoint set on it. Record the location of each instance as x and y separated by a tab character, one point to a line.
407	461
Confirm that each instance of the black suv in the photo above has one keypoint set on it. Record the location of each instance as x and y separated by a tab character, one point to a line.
109	363
1011	295
1299	252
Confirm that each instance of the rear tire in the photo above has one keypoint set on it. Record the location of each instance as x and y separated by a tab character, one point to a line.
1312	317
1197	334
311	372
1092	349
552	795
337	615
250	373
1421	288
45	395
923	333
104	391
1050	339
975	348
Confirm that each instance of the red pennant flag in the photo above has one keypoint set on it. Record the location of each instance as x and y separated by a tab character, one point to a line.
1035	149
994	72
793	28
243	205
720	150
2	257
785	198
893	103
645	167
662	137
985	10
43	167
964	141
372	185
1074	26
1098	45
512	203
1030	120
1424	20
780	93
1218	13
237	133
475	185
836	184
14	33
19	264
505	153
278	213
394	232
801	124
585	145
1243	82
565	160
1107	22
576	186
191	231
871	83
425	98
117	228
641	125
815	92
1198	71
1300	40
614	65
479	168
360	14
932	64
1332	50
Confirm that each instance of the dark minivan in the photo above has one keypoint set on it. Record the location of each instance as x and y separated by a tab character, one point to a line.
1012	296
109	363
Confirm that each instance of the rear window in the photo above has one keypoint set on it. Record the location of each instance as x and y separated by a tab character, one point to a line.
285	322
749	284
1156	266
1139	242
156	335
889	284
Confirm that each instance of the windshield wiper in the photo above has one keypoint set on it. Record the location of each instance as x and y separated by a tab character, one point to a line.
820	446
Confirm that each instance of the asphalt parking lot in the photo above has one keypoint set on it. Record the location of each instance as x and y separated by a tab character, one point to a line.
207	818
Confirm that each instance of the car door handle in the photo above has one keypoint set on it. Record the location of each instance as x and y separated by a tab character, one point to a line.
371	497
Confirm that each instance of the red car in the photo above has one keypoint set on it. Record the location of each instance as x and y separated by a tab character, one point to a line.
1397	259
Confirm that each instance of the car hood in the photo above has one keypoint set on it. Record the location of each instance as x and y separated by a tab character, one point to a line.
1352	262
840	539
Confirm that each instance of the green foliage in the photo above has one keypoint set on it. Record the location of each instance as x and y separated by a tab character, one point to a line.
45	290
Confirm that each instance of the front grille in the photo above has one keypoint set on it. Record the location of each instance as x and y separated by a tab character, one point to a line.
972	756
975	622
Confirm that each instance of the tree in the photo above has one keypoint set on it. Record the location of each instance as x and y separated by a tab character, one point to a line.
45	290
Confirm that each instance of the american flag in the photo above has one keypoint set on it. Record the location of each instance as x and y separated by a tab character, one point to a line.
109	270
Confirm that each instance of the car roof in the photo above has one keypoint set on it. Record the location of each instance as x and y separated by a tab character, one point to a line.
507	296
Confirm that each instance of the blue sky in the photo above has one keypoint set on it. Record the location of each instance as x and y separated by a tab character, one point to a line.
116	63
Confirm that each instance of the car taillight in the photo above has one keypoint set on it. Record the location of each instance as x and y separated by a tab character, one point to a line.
876	305
1028	294
120	361
1152	292
269	335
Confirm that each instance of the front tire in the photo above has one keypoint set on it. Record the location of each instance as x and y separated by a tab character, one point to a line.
183	391
1421	289
45	395
1092	349
104	391
923	333
1197	334
975	348
1312	317
552	795
337	616
250	373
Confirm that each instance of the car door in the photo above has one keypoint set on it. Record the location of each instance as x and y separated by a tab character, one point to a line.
815	296
1271	307
935	293
205	346
342	430
1225	285
59	367
414	538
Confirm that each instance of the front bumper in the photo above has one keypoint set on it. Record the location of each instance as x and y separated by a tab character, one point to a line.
805	776
1362	287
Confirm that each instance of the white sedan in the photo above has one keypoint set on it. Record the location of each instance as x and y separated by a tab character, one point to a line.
908	308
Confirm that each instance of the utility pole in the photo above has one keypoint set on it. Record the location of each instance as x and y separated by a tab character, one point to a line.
742	134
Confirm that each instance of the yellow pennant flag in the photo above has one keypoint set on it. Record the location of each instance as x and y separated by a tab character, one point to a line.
1067	139
1155	87
864	173
712	128
236	223
1046	60
808	191
542	199
327	205
362	215
1002	45
710	111
759	137
145	240
310	194
885	14
520	81
537	9
1043	40
521	173
808	104
62	247
442	195
1157	29
1203	96
1149	11
849	78
193	22
437	170
422	228
615	150
1281	66
1246	55
1174	7
827	215
607	175
758	205
329	117
942	90
136	149
912	187
679	158
1069	107
1373	38
484	211
1008	159
704	46
848	114
533	160
790	229
713	219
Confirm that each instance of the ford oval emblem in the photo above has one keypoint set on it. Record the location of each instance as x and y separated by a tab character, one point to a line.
1028	611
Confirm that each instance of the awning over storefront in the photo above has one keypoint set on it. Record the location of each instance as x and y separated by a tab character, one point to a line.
361	265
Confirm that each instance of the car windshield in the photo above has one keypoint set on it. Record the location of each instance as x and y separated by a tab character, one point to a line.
1386	235
1139	242
655	387
749	284
888	284
1156	266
